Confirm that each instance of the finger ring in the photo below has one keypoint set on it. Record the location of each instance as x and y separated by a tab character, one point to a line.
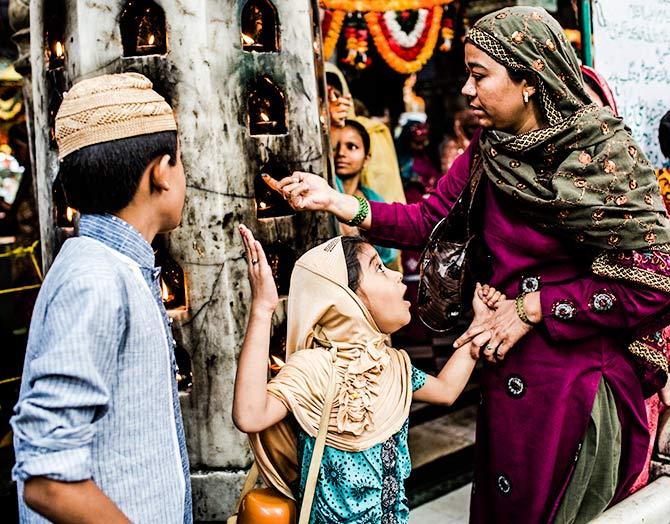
488	347
254	262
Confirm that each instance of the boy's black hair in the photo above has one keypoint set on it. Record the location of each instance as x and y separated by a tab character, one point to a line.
352	247
360	129
103	178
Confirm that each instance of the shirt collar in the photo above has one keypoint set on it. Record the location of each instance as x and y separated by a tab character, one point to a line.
118	235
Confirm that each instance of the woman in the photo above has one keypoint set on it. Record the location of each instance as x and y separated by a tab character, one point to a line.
351	151
572	217
343	305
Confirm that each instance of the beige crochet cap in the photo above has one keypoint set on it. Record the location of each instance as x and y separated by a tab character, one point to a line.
110	107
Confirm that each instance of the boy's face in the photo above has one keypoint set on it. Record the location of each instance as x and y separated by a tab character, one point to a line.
173	200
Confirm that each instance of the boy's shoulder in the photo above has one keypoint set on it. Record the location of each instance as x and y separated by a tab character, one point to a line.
85	259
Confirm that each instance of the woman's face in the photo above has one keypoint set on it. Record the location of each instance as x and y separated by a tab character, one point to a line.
350	157
495	98
382	291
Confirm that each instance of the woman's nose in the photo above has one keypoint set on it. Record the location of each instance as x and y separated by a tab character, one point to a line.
469	88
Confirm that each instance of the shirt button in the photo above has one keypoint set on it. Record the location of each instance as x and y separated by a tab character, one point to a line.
516	386
530	284
564	309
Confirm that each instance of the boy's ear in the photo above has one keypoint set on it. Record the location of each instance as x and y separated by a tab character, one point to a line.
159	170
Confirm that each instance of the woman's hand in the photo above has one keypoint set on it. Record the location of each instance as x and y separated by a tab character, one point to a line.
484	302
263	288
306	191
507	328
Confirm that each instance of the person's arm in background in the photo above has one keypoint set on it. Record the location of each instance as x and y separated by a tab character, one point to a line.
74	363
404	226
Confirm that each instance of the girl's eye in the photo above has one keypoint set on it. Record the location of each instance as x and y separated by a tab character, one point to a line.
380	268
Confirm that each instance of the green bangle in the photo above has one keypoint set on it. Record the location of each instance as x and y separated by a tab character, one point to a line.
362	214
521	310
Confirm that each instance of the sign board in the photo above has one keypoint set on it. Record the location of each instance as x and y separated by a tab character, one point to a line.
632	51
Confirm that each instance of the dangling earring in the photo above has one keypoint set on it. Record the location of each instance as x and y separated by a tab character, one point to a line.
526	97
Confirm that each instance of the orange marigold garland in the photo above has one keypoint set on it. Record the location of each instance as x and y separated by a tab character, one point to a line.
331	27
392	59
381	5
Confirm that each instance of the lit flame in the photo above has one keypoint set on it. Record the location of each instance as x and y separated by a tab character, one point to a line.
59	50
247	40
275	363
165	292
262	205
152	39
69	213
264	117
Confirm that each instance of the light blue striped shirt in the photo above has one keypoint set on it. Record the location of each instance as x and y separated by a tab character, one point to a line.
99	398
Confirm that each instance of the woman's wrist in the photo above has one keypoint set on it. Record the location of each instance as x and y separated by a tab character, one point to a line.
533	307
343	206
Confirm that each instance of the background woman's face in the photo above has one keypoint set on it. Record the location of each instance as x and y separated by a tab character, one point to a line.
348	151
382	291
495	98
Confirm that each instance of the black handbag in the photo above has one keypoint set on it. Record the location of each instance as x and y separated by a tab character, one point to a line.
452	260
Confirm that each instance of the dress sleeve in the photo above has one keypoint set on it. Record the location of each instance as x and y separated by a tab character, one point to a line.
407	226
418	379
586	306
72	368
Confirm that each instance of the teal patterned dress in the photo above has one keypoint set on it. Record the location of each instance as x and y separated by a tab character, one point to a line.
362	487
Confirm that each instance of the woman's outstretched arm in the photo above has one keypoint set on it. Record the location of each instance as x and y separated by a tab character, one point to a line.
404	226
253	409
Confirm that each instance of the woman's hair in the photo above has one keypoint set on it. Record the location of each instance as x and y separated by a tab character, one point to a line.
664	135
360	129
352	247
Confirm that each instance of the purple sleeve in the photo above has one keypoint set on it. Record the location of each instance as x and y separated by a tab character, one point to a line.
587	306
407	226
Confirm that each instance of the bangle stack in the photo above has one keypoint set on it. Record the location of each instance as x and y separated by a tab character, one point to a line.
362	214
521	310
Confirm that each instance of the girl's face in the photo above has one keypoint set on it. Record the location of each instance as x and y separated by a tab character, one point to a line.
495	98
350	156
382	291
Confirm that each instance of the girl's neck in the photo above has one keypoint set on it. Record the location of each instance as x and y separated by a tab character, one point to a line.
350	184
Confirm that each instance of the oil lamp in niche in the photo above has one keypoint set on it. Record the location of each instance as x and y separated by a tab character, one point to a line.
277	349
259	27
54	35
66	216
269	203
143	29
267	109
174	290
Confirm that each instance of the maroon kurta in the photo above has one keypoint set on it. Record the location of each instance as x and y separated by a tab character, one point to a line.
536	405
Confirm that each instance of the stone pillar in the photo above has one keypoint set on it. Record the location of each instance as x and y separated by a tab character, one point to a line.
210	81
660	464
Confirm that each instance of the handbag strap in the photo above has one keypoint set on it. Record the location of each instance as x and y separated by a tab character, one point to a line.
249	483
317	453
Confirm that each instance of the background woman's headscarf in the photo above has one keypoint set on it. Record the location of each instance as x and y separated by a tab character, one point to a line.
581	177
330	328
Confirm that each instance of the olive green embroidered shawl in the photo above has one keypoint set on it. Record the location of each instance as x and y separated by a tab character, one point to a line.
582	176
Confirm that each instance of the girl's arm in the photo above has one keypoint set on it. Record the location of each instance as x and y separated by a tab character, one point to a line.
253	409
454	376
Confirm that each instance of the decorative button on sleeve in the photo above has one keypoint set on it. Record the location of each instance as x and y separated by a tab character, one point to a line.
564	309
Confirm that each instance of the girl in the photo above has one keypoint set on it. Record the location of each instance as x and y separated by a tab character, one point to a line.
351	153
342	307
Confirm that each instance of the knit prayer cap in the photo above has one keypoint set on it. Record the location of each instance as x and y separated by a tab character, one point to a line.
110	107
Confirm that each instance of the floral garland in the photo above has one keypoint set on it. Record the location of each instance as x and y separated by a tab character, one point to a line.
381	5
331	27
407	54
390	50
402	38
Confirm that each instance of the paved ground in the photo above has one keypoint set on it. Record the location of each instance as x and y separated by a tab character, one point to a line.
450	509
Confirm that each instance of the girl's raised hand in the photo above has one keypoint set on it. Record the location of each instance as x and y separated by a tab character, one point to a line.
263	288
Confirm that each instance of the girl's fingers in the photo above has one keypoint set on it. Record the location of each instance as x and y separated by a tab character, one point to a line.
471	332
247	249
262	259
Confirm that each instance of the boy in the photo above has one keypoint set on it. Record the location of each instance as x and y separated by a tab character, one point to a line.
97	429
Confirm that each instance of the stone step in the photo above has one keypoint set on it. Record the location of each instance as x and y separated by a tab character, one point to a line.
650	505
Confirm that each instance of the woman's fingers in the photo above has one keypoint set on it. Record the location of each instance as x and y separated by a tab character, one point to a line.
493	298
260	253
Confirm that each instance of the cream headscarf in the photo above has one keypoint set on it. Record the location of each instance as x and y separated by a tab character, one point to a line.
329	325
